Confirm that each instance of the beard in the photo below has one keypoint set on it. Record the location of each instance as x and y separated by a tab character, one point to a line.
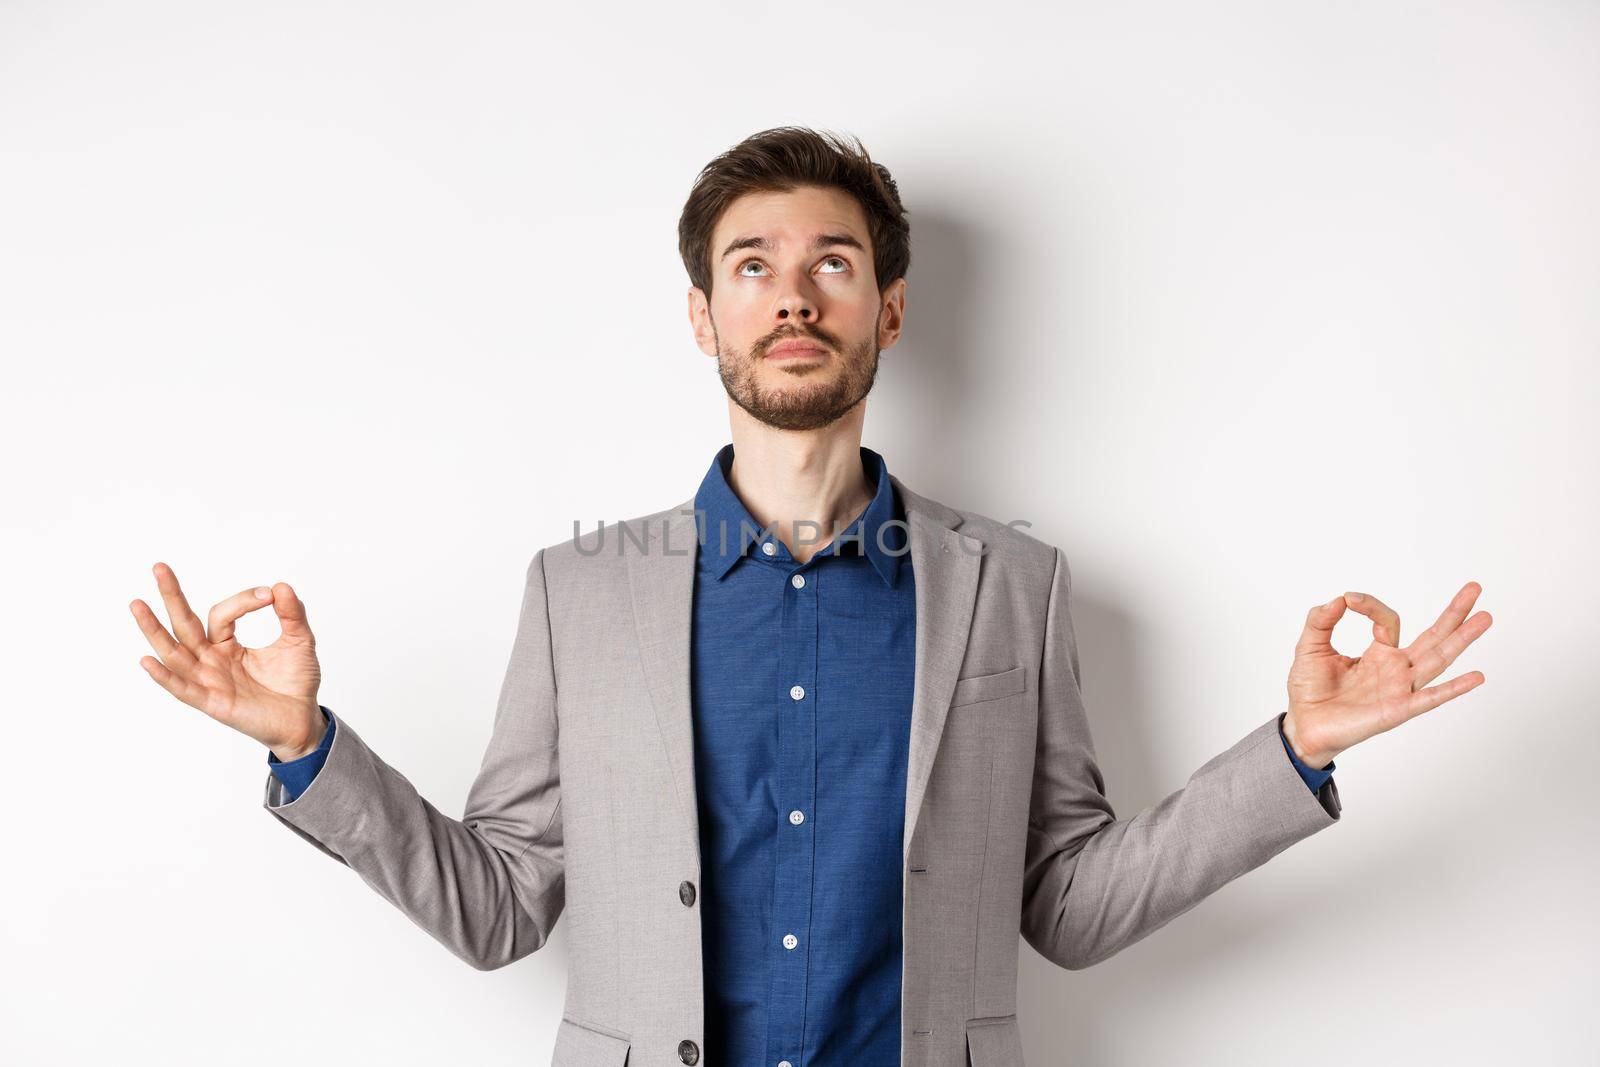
813	395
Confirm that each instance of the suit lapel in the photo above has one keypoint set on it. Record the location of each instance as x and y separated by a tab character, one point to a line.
662	584
944	566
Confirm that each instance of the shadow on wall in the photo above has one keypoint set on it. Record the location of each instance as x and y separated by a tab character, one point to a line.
930	403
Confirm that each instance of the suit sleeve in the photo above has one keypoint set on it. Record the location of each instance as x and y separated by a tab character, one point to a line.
1093	884
490	885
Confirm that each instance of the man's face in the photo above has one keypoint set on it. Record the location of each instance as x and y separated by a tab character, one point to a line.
794	269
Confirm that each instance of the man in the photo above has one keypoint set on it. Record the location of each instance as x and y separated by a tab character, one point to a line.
801	757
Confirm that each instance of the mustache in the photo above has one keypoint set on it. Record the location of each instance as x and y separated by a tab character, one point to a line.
813	335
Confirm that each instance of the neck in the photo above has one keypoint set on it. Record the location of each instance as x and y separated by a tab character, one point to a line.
804	484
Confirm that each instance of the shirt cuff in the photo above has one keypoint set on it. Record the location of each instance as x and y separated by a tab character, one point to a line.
296	774
1313	777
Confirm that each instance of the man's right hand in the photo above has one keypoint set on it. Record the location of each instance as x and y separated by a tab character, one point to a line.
268	693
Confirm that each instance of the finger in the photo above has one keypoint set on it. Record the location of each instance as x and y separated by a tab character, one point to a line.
1385	623
173	655
1448	620
222	616
179	686
1428	699
1318	633
1431	664
186	626
291	612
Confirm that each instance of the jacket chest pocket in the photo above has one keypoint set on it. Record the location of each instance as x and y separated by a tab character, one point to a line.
982	687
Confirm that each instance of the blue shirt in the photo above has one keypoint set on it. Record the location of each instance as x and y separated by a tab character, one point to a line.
801	682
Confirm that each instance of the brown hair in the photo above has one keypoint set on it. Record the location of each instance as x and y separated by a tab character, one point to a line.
779	160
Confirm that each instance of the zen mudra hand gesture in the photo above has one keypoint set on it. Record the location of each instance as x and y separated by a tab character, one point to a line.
1336	701
268	693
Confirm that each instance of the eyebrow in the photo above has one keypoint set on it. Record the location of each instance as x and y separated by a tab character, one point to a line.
818	243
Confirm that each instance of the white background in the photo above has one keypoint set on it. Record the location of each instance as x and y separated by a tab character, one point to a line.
1243	309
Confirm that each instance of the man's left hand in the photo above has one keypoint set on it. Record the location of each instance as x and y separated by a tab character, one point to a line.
1336	701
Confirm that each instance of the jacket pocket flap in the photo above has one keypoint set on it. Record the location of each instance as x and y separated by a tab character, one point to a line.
989	686
994	1042
582	1046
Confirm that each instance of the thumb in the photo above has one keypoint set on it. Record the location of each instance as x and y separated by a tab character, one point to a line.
291	612
1317	636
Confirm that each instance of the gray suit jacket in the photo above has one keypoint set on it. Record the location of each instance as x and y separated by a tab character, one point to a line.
585	799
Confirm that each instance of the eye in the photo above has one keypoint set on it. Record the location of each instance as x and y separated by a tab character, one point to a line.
747	263
844	264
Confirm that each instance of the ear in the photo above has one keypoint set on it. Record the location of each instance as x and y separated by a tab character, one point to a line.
891	319
705	335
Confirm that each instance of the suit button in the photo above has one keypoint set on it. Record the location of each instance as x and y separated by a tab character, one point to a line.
688	1052
686	893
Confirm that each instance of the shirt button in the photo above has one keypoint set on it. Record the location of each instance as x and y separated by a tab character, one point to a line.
798	581
686	893
797	691
688	1051
769	548
785	1063
790	941
796	817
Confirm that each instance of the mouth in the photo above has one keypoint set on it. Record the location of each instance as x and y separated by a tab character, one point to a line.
796	350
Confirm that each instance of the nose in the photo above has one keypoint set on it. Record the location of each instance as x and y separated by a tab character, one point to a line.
795	307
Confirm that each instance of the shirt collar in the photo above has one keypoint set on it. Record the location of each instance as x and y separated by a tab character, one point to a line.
727	529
